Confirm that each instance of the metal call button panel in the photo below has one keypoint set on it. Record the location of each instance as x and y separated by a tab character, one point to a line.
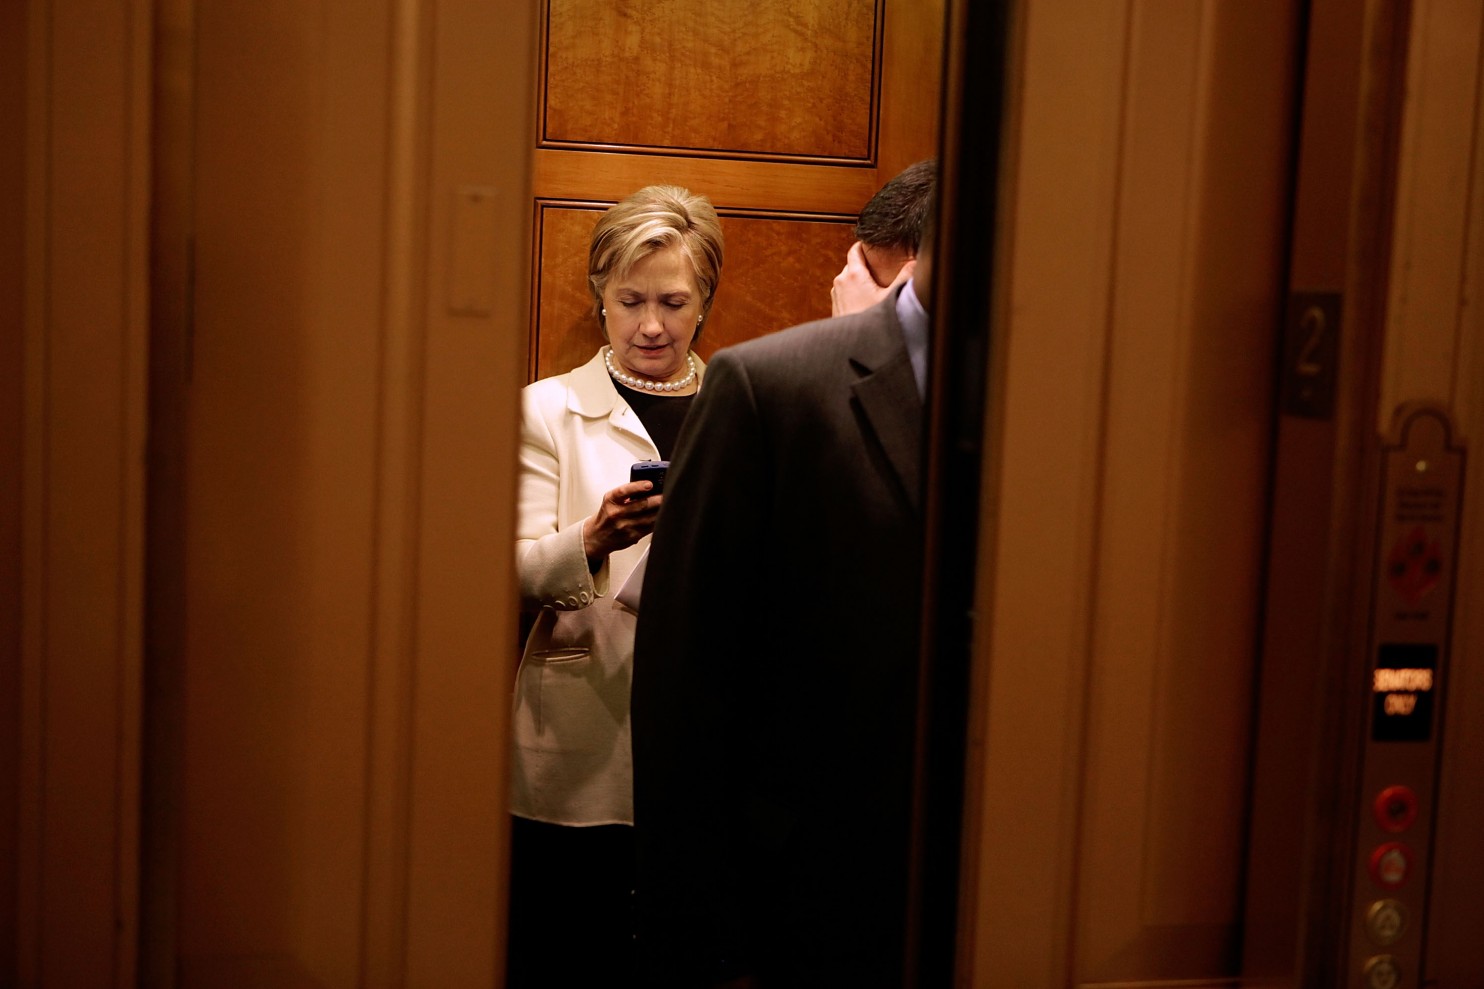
1404	681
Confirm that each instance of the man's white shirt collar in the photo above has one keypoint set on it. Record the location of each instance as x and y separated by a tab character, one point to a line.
914	320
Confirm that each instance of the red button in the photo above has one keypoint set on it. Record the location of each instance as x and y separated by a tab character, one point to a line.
1395	808
1390	864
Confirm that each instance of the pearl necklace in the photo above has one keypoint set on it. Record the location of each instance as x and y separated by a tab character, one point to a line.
645	383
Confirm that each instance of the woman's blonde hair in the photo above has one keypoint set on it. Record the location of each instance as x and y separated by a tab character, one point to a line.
652	219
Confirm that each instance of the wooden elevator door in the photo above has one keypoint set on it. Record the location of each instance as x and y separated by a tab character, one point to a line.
350	424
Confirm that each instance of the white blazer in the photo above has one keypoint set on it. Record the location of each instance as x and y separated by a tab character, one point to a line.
572	762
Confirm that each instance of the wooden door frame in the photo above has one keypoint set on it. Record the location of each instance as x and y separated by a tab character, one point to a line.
83	424
1323	509
458	158
1038	590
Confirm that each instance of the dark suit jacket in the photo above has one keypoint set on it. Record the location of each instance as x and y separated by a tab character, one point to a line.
774	665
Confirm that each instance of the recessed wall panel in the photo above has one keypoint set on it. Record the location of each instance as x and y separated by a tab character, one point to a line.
777	272
767	78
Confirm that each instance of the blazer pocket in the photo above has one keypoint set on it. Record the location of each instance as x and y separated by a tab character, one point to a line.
563	703
551	657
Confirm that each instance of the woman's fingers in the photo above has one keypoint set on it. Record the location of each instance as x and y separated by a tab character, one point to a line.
625	515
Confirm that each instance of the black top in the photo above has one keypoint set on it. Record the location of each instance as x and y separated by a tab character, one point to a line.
661	414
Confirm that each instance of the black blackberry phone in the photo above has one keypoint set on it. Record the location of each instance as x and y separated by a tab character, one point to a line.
650	470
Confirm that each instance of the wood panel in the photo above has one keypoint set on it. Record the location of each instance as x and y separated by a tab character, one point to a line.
1214	518
771	78
480	130
787	116
83	398
1148	203
1199	255
1063	202
281	489
349	499
609	176
776	268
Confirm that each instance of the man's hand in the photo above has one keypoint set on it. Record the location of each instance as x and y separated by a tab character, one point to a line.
855	288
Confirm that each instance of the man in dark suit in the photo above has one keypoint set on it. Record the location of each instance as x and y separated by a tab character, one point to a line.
775	661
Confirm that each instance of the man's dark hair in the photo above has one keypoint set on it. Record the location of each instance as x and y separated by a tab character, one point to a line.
896	215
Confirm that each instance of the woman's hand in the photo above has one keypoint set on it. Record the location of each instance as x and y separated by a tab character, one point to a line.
624	516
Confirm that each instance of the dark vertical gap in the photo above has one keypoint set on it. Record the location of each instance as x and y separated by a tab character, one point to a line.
1356	508
1301	32
958	450
1321	515
13	34
171	302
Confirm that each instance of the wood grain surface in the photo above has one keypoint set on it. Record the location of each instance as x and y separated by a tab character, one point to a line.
777	272
770	77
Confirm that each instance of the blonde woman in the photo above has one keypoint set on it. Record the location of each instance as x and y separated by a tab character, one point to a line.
653	267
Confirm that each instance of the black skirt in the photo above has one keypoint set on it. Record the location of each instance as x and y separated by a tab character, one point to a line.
571	906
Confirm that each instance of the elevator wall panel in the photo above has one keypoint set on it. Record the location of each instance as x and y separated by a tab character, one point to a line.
790	116
801	256
771	78
1149	201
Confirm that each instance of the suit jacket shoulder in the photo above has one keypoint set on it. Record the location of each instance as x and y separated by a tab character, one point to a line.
818	385
872	337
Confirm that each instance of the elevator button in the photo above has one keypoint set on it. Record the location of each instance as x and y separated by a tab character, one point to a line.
1390	864
1395	808
1382	972
1386	922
